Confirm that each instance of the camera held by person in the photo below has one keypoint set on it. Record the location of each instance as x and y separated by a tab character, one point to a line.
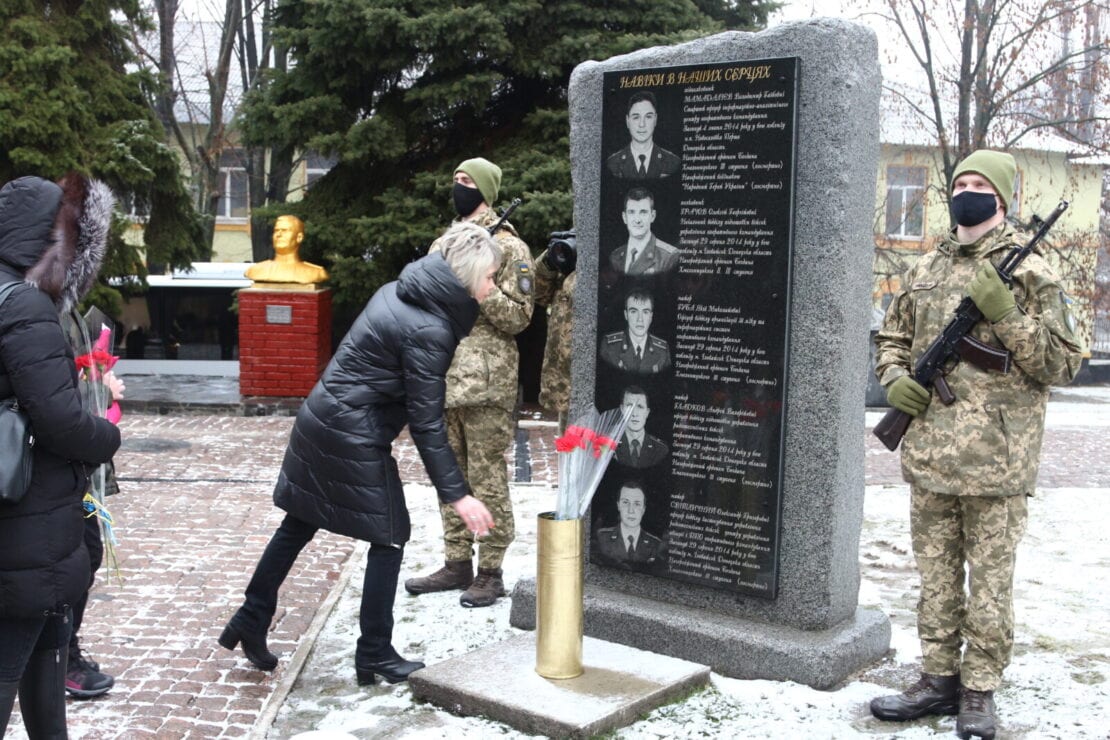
562	253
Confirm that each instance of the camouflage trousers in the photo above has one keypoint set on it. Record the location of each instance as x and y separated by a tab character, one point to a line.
981	532
480	436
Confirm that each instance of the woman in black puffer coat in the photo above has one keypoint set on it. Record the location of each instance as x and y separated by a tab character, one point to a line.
52	239
339	473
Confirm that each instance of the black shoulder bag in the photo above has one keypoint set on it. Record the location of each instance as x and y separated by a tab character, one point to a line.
16	440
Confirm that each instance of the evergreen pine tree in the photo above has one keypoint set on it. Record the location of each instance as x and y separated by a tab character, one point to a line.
400	91
67	102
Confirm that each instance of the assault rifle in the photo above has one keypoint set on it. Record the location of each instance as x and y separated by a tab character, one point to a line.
504	216
954	343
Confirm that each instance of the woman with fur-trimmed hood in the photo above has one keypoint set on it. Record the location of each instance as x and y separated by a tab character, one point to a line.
52	240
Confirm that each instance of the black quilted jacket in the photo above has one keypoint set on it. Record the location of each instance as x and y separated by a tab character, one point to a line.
43	563
338	473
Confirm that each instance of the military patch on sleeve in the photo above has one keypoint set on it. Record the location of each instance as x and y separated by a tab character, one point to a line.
1065	308
524	277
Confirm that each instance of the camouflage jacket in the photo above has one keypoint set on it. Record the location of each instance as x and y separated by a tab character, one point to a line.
487	363
557	293
988	442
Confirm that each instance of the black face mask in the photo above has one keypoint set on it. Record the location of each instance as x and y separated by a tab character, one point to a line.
972	209
466	199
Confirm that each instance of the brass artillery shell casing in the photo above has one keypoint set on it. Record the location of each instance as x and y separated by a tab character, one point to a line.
559	577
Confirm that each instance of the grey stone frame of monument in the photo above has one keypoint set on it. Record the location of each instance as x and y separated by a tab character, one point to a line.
814	632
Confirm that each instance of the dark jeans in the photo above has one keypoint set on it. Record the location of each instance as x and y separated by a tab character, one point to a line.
95	545
383	565
32	661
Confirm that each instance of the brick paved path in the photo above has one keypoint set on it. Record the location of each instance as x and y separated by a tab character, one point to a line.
194	516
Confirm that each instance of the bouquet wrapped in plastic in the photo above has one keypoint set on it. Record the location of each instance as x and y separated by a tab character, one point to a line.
585	450
94	368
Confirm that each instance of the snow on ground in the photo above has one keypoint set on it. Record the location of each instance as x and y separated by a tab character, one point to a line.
1057	687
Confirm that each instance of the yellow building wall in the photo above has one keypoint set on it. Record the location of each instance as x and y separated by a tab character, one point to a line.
231	242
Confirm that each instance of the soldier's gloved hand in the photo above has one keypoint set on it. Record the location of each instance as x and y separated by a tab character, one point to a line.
991	295
907	395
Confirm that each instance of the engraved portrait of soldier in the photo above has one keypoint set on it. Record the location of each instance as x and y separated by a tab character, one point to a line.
637	448
642	158
627	544
643	253
635	349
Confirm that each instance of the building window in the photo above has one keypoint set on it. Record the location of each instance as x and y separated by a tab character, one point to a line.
233	185
905	202
315	167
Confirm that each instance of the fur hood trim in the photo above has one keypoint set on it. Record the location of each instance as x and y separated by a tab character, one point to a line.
69	266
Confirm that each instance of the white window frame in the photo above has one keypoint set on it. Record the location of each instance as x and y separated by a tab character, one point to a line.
898	195
232	165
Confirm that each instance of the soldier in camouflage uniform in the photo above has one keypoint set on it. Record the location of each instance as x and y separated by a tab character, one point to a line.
481	396
972	464
555	281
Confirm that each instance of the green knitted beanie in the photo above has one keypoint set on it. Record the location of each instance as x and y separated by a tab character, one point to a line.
998	167
485	174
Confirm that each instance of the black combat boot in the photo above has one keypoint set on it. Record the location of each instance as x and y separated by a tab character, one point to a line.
486	589
976	718
454	575
930	695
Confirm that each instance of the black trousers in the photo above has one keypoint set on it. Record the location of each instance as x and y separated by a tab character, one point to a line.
95	545
33	664
379	588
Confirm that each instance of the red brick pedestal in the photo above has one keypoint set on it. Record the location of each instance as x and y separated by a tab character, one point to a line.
284	339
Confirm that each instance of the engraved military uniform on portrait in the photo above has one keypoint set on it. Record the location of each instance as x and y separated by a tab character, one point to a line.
610	549
662	163
656	256
618	350
652	452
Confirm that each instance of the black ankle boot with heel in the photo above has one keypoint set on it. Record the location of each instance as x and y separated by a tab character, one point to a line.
254	646
394	669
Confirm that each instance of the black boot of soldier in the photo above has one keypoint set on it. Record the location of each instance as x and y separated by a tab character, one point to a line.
976	717
930	695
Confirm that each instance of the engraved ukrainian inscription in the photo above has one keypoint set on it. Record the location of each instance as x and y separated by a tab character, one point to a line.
693	297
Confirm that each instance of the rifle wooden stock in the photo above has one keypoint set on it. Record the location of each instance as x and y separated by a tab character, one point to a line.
892	427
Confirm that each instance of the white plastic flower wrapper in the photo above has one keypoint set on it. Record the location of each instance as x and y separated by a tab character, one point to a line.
585	450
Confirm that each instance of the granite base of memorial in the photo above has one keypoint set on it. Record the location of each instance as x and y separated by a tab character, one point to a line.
730	645
618	685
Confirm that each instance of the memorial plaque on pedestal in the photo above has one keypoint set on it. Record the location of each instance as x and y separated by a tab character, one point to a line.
696	218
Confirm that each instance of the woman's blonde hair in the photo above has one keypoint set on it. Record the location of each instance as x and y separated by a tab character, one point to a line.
470	251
